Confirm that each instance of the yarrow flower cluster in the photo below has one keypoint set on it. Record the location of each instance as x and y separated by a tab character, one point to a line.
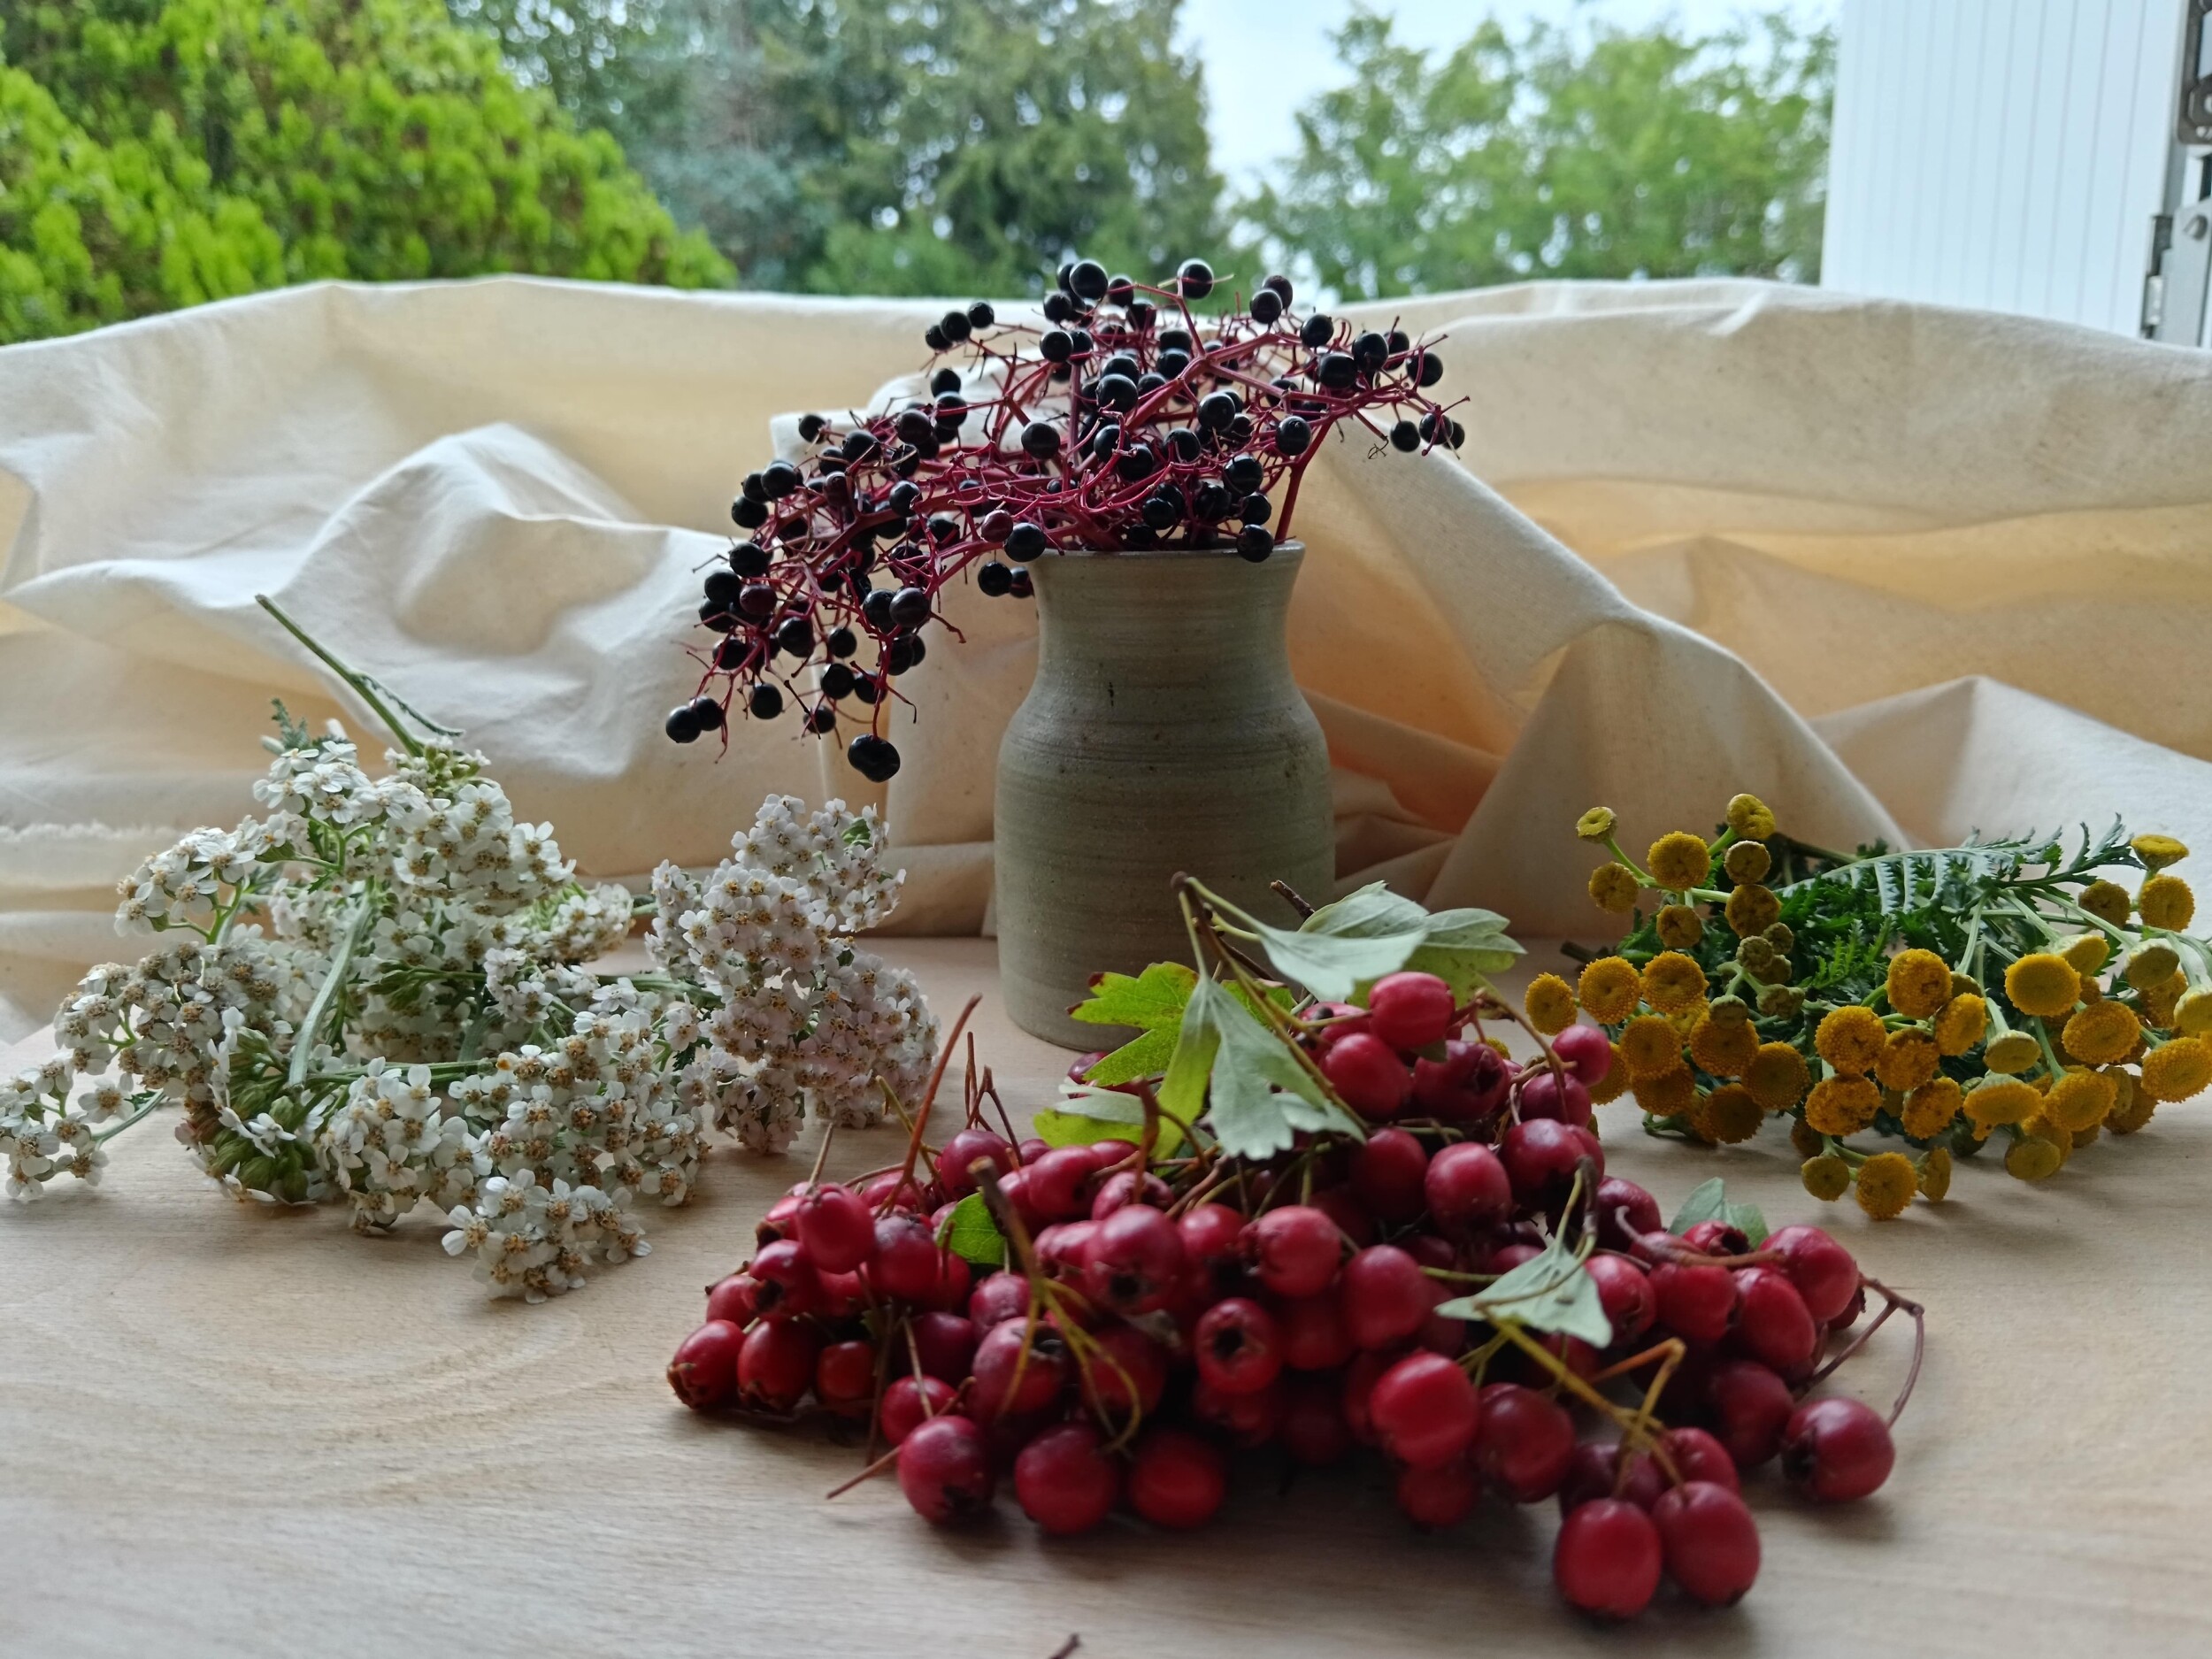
379	993
1941	997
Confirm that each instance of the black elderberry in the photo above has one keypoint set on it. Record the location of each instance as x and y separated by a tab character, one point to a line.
1267	305
1244	474
1459	434
1239	432
748	514
944	381
954	325
903	497
1291	436
1023	586
872	757
1140	313
1406	436
795	635
1120	362
1172	364
914	425
859	445
910	463
1214	502
837	680
934	337
1163	507
1217	410
779	478
1040	440
1147	384
1083	344
1116	391
682	724
1120	290
708	714
1434	428
716	616
910	607
980	315
1088	281
952	414
1318	331
1255	543
1184	444
731	654
1056	345
1194	279
1135	463
1057	308
1255	508
722	587
1398	342
1025	542
1103	437
810	427
943	527
750	558
1369	351
754	488
1432	369
875	610
993	578
757	600
905	652
1060	281
764	703
842	642
1337	370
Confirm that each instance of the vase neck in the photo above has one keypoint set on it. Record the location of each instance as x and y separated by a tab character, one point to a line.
1176	612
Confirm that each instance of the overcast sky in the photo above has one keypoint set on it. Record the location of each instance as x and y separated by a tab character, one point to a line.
1264	57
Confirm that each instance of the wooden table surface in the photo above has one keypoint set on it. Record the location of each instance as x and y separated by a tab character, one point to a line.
228	1430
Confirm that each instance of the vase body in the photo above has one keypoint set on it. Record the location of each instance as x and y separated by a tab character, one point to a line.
1164	733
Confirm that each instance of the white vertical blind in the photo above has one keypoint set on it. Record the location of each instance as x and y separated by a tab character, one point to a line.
2006	154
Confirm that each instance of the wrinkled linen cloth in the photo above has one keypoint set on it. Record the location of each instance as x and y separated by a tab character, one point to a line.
1905	571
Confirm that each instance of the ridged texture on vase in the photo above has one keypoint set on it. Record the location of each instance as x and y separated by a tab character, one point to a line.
1164	733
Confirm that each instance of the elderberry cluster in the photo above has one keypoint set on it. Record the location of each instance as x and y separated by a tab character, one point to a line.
1125	422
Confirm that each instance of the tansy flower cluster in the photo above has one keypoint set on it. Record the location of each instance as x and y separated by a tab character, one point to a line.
379	993
1997	989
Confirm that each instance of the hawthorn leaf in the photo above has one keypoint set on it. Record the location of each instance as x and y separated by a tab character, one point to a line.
971	1235
1551	1293
1260	1096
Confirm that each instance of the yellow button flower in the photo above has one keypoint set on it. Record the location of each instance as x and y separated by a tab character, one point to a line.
2158	851
2043	984
1750	817
2104	1033
1679	861
1648	1047
2133	1110
1673	982
1886	1181
1614	1083
2079	1099
1935	1174
1826	1178
1752	909
2087	954
1596	824
1669	1094
1611	987
1747	862
2033	1159
1680	926
1723	1048
1841	1106
1550	1005
2177	1070
1995	1102
1732	1115
2014	1052
1909	1059
2192	1011
1931	1108
2166	902
1919	983
1614	888
1777	1076
1851	1038
2107	901
1962	1023
2150	965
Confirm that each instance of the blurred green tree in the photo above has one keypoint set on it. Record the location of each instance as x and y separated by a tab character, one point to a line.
1567	151
158	153
893	146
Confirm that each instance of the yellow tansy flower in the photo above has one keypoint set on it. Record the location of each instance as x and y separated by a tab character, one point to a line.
2087	954
1596	824
1752	908
1750	817
2133	1110
2104	1033
2014	1052
1886	1182
1723	1048
1919	983
1748	862
1931	1109
1648	1047
2034	1159
1841	1106
1909	1059
2192	1011
1961	1025
1669	1094
1935	1174
1673	982
1826	1178
1732	1115
2079	1099
2151	963
1777	1076
1680	926
1611	987
2043	984
1550	1005
1614	888
2107	901
2158	851
1997	1101
2166	902
2177	1070
1614	1083
1679	861
1851	1038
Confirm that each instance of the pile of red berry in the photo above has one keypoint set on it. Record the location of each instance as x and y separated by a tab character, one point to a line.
1157	1314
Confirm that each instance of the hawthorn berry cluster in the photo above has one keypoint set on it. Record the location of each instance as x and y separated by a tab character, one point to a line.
1125	421
1155	1312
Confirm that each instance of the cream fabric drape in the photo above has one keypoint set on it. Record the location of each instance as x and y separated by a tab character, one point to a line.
1904	572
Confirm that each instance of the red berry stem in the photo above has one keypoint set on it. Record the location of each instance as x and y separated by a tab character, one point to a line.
1892	1302
929	1096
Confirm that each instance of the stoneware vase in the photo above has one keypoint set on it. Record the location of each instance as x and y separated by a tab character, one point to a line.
1164	733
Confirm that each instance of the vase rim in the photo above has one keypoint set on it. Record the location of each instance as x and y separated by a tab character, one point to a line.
1292	547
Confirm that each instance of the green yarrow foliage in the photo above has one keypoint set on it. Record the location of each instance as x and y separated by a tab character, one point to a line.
160	153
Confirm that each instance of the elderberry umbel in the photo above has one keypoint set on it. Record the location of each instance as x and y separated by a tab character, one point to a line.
1120	421
1134	1316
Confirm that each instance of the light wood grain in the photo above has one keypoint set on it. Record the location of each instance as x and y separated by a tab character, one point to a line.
229	1432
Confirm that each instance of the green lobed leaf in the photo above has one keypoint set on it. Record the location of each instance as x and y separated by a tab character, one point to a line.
1333	966
1103	1114
1709	1202
1147	1001
1182	1091
1139	1057
971	1235
1551	1293
1260	1096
